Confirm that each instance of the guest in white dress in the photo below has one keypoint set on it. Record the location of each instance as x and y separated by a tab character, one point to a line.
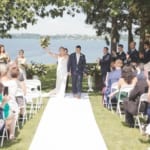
61	74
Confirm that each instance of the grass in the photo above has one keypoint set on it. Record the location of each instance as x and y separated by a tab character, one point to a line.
25	135
116	135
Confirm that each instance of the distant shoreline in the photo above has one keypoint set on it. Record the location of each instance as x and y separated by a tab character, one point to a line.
74	36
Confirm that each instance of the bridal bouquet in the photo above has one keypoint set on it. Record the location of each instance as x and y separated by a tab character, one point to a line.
45	41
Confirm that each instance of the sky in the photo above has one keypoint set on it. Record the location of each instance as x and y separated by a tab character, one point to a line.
65	25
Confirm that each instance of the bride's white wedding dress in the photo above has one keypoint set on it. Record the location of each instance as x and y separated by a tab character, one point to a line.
61	76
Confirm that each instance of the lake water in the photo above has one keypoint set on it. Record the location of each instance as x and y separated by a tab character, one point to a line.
92	48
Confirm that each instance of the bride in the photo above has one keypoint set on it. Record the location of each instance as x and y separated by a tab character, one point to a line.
61	75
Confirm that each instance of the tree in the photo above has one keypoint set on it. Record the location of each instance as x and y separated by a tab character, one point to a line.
140	9
19	13
108	17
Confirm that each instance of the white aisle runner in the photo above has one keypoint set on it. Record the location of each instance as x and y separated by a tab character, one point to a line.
68	124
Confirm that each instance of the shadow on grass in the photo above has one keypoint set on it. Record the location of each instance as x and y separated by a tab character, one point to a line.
146	140
8	144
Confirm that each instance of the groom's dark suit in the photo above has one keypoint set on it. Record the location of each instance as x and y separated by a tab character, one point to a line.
77	69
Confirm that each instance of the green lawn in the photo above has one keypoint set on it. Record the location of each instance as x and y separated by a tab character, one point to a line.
25	135
116	135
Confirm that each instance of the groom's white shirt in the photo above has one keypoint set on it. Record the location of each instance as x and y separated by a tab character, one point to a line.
78	57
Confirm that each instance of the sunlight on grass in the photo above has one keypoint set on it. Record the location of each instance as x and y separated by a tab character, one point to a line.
116	135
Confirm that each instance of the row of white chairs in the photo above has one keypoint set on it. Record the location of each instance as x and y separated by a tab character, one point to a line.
123	93
34	102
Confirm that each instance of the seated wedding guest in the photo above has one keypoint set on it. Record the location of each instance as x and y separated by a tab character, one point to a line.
113	77
8	114
4	58
21	78
132	55
21	87
146	52
22	63
121	54
128	78
105	64
11	86
140	88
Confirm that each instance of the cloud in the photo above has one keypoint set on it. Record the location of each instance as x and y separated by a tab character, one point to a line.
65	25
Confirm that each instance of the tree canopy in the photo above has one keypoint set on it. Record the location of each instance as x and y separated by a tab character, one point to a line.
19	13
108	17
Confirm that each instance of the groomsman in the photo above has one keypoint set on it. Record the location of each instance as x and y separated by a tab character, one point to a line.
146	52
105	63
132	54
76	68
121	54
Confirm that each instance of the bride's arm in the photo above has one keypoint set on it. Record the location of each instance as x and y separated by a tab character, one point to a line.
51	53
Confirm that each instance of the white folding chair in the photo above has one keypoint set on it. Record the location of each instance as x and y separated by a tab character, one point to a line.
124	92
3	136
20	98
143	98
33	92
114	87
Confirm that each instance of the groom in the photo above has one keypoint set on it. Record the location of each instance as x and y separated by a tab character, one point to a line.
76	68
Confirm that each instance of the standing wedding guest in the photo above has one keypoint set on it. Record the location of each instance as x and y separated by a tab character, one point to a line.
105	64
61	75
76	68
146	52
132	55
22	63
4	58
121	54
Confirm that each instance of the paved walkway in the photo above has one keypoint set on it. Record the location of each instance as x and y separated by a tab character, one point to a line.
68	124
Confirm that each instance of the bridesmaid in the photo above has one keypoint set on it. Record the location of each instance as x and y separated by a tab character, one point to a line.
4	58
22	63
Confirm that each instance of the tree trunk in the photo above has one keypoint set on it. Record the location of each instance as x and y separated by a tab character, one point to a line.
130	35
114	34
142	35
